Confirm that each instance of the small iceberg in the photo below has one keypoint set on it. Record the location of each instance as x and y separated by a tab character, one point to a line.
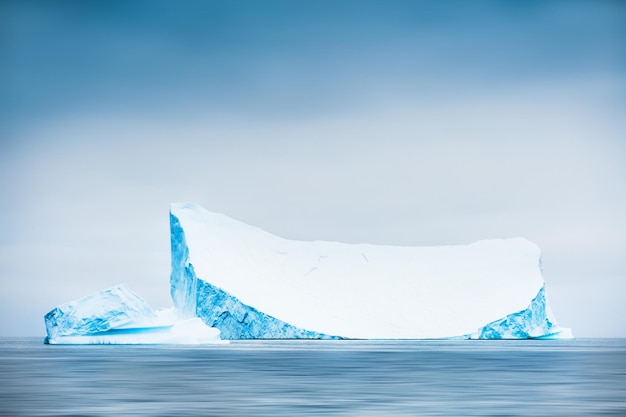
119	316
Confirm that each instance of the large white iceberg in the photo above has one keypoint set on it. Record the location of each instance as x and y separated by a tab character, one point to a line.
251	284
119	316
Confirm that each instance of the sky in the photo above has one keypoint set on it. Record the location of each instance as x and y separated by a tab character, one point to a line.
407	123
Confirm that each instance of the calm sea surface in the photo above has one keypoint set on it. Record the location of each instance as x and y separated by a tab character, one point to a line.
316	378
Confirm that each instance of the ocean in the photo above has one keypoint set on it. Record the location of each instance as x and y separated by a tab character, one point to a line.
581	377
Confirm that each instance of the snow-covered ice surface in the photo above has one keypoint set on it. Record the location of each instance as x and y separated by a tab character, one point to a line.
251	284
119	316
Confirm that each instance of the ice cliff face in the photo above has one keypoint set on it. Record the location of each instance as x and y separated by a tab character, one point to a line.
250	284
219	309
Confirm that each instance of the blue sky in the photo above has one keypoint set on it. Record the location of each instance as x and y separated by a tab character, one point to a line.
407	123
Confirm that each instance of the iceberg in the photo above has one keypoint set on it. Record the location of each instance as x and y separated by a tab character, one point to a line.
119	316
230	280
251	284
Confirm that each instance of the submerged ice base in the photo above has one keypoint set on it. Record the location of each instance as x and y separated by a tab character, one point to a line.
119	316
251	284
